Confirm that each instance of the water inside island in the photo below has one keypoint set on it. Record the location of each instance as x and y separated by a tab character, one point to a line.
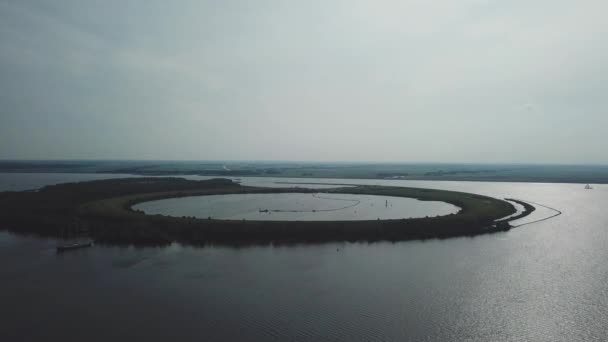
297	207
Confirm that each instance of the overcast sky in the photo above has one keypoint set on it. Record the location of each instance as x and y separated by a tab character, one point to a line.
448	81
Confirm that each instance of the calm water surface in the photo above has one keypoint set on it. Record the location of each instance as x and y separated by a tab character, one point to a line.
547	281
297	207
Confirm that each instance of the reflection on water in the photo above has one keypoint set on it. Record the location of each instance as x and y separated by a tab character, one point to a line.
297	207
542	282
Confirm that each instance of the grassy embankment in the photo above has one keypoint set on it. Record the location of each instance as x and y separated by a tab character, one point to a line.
101	209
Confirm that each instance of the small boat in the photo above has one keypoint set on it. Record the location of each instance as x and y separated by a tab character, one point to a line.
72	246
588	187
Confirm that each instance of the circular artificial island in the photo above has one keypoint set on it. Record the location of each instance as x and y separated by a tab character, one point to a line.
164	210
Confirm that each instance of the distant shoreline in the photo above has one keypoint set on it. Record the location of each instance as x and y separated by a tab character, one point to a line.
528	173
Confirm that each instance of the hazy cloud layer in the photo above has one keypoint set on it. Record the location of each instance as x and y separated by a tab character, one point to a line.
470	80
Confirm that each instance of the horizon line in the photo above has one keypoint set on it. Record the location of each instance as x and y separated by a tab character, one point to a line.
377	162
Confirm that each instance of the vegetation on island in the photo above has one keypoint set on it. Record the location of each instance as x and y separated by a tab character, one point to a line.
102	211
528	209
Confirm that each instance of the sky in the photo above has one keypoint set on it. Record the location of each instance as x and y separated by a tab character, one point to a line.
384	80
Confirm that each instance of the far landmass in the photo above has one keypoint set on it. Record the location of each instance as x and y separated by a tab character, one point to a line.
594	174
102	210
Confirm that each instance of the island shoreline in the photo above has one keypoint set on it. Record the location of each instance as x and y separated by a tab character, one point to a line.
102	210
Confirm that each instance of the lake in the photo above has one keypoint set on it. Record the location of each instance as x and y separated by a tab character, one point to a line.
297	207
547	281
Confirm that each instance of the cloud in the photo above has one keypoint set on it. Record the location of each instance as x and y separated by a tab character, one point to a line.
305	80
